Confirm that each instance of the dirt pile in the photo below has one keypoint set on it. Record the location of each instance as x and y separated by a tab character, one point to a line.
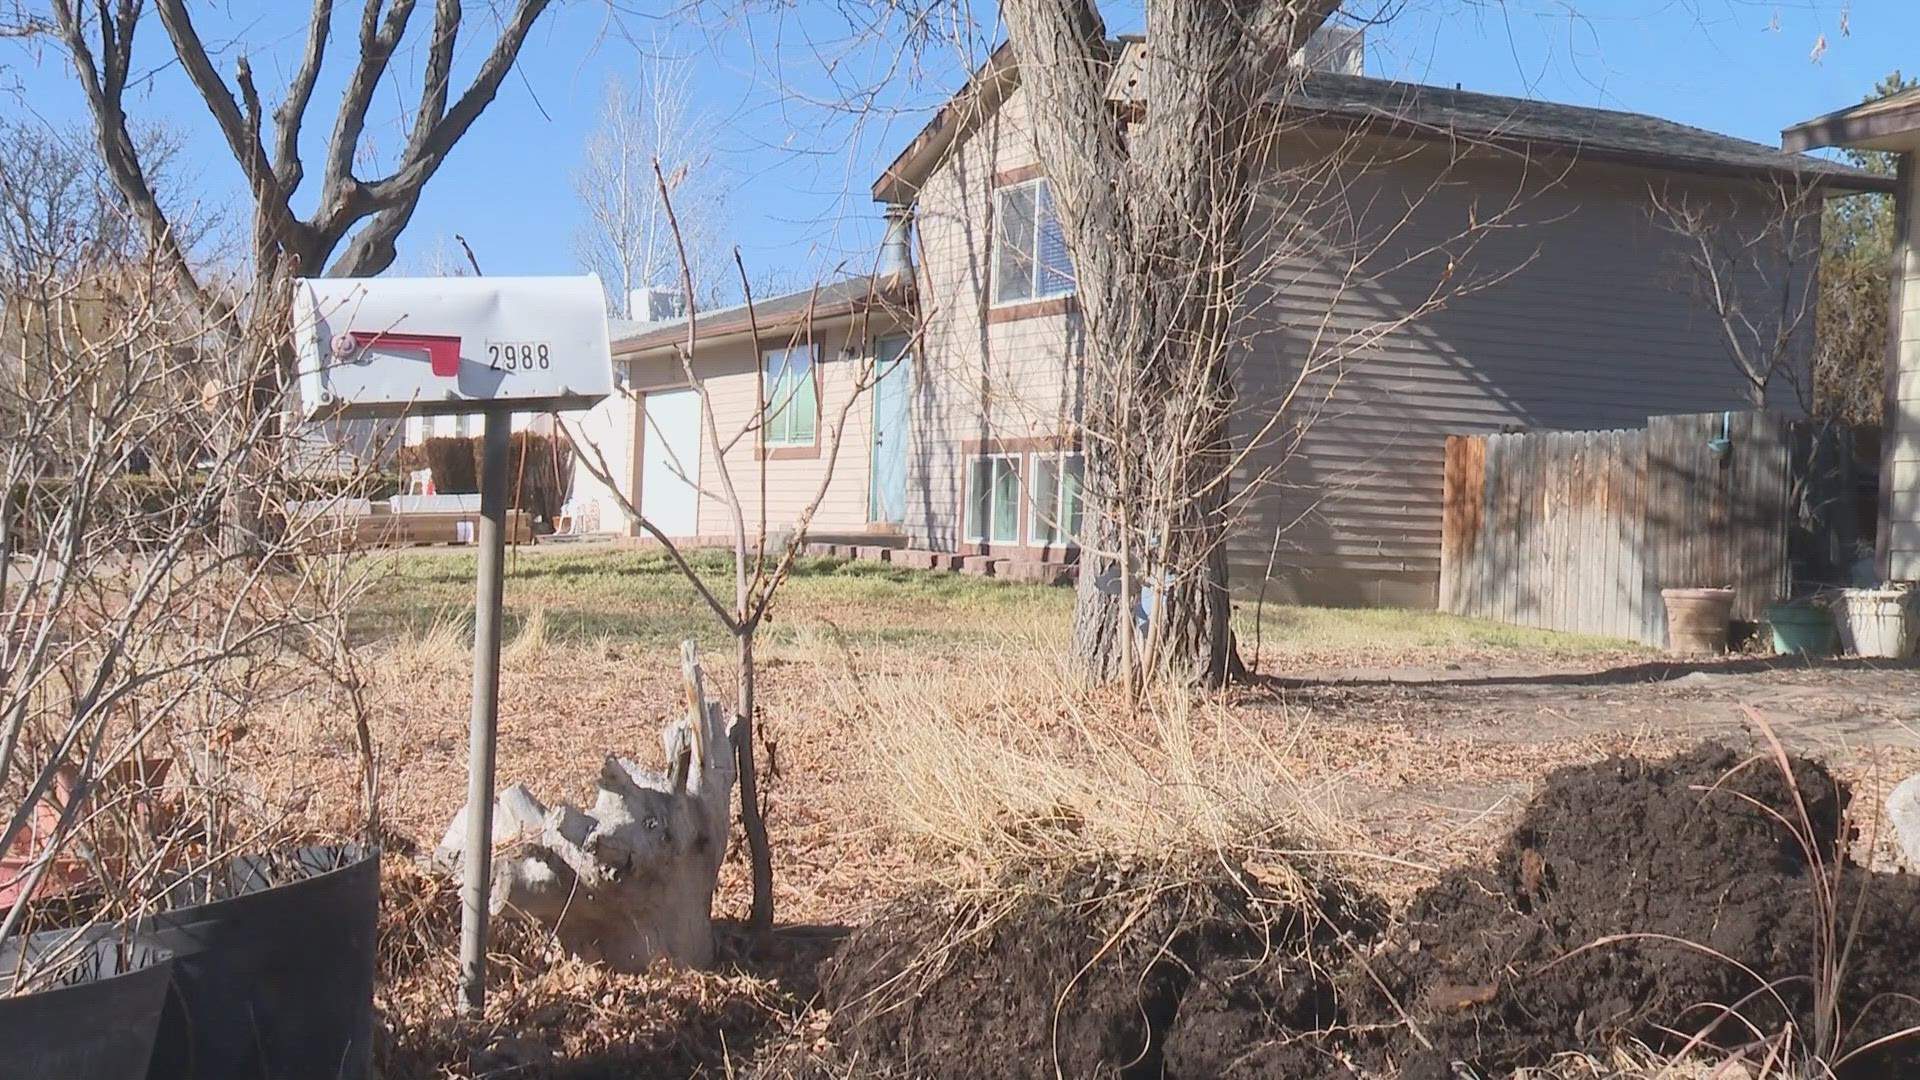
1634	899
1083	972
1647	899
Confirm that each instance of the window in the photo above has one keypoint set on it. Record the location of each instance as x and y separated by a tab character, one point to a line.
1055	504
1030	252
793	407
993	500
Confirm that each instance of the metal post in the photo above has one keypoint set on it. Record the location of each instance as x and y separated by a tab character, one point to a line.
478	862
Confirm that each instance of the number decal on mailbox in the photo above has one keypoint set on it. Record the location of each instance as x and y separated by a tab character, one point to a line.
519	355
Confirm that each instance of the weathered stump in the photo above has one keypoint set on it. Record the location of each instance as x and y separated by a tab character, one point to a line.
633	880
1903	810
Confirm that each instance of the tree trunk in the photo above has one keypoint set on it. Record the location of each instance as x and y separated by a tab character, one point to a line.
1154	205
752	822
1102	616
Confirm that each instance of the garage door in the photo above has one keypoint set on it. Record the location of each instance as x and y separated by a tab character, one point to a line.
670	463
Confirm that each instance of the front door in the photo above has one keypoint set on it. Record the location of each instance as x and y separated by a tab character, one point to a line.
670	462
892	408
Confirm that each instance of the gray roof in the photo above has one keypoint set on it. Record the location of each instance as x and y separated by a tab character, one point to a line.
1438	112
847	296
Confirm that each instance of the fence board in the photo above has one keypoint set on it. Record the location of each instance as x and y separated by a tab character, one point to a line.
1579	531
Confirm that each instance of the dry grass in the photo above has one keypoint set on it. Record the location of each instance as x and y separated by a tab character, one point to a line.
1636	1062
1006	759
917	728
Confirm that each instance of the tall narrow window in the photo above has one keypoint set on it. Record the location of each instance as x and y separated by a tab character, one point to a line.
793	406
993	500
1030	252
1055	502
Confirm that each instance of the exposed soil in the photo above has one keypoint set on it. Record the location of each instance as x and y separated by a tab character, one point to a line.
1704	856
1086	973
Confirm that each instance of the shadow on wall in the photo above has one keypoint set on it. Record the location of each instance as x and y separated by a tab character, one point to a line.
1403	296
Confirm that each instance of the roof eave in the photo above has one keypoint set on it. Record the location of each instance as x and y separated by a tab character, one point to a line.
1861	182
1861	127
983	94
892	299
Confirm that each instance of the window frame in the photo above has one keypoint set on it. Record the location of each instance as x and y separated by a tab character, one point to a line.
770	385
1061	538
985	537
1038	185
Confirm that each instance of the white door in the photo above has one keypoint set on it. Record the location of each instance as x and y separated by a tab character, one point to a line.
670	463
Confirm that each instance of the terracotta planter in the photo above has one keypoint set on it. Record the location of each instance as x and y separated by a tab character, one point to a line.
1697	620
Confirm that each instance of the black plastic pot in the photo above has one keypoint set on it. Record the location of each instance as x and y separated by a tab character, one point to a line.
97	1022
273	970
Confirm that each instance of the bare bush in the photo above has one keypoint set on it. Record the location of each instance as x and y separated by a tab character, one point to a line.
133	653
763	551
1754	275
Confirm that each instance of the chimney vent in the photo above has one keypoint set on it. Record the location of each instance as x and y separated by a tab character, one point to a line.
647	305
896	248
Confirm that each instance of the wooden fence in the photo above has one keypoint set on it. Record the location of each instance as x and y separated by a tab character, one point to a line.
1579	531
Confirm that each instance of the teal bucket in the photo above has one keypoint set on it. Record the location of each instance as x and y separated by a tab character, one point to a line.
1803	629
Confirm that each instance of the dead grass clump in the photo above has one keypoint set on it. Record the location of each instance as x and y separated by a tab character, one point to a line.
442	646
1096	878
1007	760
532	641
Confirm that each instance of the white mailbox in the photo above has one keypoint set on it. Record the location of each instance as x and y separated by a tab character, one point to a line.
385	347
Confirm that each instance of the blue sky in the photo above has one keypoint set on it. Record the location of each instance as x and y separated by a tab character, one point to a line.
799	167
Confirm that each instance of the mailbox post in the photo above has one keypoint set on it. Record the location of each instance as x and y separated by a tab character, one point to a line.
494	346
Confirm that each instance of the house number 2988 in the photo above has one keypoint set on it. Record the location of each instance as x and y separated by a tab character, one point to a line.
518	355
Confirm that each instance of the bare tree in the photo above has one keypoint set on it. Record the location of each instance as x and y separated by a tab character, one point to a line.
355	221
625	238
1205	222
763	552
1154	214
1752	267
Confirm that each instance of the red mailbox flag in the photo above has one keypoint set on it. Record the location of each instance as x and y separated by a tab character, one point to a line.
443	350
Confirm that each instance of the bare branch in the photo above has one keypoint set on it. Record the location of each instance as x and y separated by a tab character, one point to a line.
288	168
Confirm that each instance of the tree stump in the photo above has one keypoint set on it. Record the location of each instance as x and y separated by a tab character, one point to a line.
633	880
1903	810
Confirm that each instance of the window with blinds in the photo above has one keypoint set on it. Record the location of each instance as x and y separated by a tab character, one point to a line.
793	407
1054	504
993	500
1030	252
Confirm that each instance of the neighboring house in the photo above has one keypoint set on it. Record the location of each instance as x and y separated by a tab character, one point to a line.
1531	219
816	353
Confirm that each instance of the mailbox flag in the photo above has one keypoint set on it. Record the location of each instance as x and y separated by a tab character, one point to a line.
526	344
443	351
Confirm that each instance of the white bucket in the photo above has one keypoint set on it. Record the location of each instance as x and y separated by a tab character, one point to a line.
1876	622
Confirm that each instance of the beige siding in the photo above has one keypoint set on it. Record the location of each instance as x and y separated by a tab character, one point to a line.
729	371
980	380
1902	483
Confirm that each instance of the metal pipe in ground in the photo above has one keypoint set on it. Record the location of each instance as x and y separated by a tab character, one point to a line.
478	862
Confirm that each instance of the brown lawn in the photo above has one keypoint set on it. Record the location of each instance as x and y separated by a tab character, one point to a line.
911	721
